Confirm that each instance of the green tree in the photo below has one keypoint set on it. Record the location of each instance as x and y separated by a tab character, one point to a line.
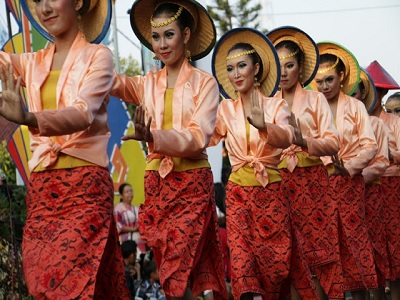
130	67
239	14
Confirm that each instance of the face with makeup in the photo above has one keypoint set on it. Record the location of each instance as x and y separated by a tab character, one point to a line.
329	78
290	63
169	40
392	104
242	69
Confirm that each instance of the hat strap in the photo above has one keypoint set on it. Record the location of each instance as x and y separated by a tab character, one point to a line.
324	70
166	22
247	52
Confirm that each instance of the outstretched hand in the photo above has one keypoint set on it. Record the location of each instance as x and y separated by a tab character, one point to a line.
12	107
298	135
142	130
257	112
339	166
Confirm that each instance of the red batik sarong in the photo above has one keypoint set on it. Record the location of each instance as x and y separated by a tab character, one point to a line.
356	253
375	220
179	222
391	196
259	239
70	243
314	222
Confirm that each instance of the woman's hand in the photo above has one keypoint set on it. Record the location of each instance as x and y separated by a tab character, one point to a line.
299	140
257	112
339	166
142	130
12	107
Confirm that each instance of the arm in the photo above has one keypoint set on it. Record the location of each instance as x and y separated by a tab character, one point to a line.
193	138
87	102
279	134
366	140
380	162
220	128
328	142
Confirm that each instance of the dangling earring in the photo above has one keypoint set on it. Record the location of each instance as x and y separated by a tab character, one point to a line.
155	57
187	54
236	93
256	83
341	86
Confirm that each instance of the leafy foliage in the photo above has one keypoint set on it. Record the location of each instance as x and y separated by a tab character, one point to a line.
242	13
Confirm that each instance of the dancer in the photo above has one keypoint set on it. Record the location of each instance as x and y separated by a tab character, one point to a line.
70	242
374	202
304	177
391	179
176	117
337	77
255	128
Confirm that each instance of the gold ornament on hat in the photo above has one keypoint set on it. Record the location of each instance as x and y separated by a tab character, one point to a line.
247	52
324	70
166	22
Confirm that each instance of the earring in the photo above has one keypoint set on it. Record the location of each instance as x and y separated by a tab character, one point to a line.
256	83
187	54
341	86
236	93
155	57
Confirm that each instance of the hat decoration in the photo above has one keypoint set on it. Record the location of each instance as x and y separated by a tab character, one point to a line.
95	21
306	45
381	77
203	36
270	78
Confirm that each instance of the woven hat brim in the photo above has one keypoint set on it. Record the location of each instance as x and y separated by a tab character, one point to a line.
352	76
271	71
202	39
306	43
95	24
369	88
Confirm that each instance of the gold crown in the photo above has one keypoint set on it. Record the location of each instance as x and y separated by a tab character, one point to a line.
324	70
289	55
166	22
241	54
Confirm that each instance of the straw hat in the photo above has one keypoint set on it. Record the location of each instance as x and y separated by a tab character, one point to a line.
202	37
381	77
370	90
95	22
352	76
271	71
305	43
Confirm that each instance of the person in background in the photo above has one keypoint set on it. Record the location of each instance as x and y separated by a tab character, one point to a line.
391	178
176	115
313	216
126	217
337	78
149	287
70	241
374	202
131	266
255	128
392	104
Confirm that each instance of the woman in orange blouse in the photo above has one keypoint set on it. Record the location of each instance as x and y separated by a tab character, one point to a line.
255	128
176	117
374	202
391	178
304	176
337	76
70	232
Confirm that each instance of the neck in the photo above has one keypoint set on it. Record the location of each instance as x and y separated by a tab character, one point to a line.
64	42
377	110
288	94
173	72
